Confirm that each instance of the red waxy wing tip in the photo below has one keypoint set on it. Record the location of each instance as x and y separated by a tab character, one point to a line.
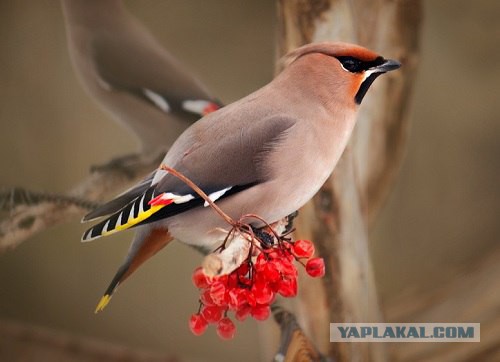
159	201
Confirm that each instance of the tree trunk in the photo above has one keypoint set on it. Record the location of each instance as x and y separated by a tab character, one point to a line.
338	218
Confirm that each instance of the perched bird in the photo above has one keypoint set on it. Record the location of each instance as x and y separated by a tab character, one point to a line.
266	154
124	68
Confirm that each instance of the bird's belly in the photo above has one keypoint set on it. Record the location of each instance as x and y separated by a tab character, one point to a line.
201	227
297	174
204	228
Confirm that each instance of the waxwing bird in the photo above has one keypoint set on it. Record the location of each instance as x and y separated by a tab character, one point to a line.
128	73
266	154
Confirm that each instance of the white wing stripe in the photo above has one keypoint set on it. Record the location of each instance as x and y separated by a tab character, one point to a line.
141	203
177	199
157	99
214	196
195	106
105	228
119	221
132	210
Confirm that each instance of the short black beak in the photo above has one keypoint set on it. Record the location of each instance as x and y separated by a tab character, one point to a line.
387	66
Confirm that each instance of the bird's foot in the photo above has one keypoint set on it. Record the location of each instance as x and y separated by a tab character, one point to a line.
289	225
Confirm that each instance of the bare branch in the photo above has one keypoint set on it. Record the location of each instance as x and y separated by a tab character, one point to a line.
19	342
40	212
11	198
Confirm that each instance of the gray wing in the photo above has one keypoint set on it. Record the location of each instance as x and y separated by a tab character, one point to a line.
131	75
221	168
137	64
227	153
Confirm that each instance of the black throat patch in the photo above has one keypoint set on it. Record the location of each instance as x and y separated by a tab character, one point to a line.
354	65
363	88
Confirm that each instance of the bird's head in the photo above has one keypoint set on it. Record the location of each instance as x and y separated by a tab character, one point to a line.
348	67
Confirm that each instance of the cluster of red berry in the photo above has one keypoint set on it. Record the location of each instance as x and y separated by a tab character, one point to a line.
252	287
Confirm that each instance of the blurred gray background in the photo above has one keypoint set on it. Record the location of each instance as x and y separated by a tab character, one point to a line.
444	207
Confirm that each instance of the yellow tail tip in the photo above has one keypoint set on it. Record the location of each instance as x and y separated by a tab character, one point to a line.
103	303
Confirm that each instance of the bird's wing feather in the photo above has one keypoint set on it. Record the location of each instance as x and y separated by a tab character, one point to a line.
150	73
220	168
121	200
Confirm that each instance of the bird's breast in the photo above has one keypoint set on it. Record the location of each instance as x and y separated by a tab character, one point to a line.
296	168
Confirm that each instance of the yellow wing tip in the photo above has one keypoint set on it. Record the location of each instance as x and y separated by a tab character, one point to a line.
103	303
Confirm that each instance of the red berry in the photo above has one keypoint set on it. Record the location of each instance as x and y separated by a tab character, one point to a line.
286	268
287	254
259	277
288	287
263	293
243	312
206	298
251	299
275	286
218	293
261	312
223	279
243	269
315	267
237	297
212	314
245	281
273	254
197	324
271	272
303	248
226	328
199	278
232	280
261	259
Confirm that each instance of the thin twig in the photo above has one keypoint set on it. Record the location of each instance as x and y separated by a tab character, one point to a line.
17	196
25	220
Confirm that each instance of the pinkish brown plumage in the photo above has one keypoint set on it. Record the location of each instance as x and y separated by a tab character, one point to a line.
265	154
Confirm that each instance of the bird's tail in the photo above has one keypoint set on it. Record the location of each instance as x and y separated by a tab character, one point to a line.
147	243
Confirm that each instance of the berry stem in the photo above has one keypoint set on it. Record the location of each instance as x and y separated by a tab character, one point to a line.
199	191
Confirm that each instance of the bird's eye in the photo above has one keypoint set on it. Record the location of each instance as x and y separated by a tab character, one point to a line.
351	64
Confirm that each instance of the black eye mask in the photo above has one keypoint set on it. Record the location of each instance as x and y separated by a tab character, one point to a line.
355	65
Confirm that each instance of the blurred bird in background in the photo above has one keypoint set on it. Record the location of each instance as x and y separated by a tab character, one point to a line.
130	75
